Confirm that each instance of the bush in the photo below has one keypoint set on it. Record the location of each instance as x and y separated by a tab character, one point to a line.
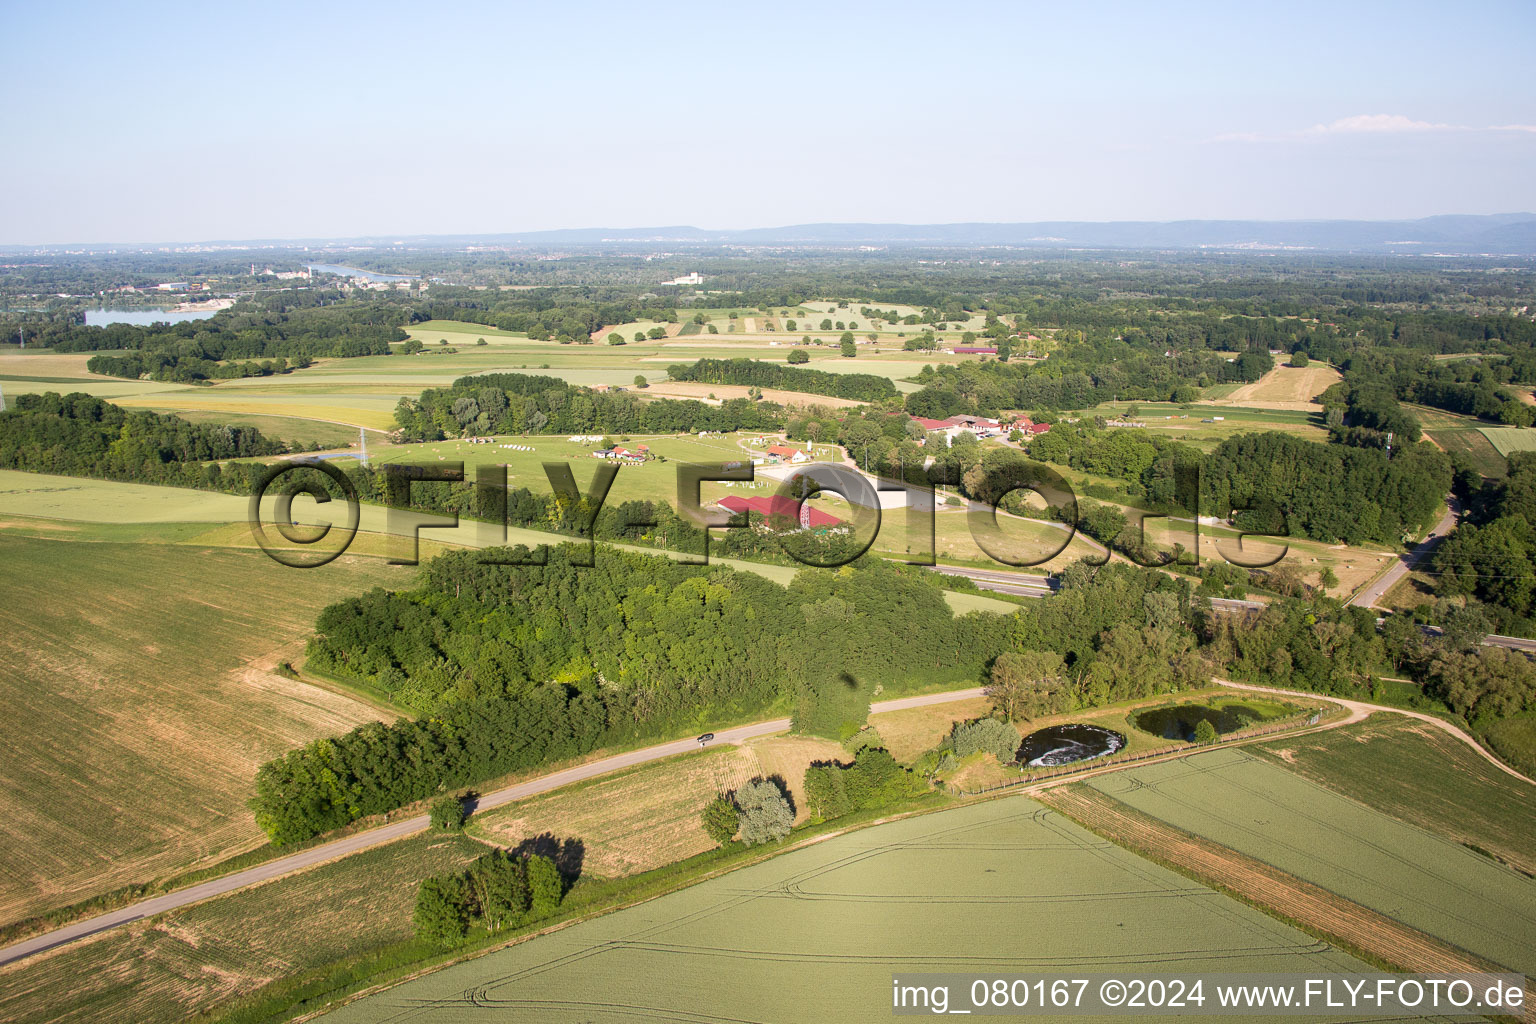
448	813
719	819
764	812
1205	732
986	735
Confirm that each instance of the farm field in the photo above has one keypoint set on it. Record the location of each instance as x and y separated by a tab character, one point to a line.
1462	434
1285	387
130	750
926	886
1263	811
1509	439
191	960
648	817
1187	423
1383	763
44	503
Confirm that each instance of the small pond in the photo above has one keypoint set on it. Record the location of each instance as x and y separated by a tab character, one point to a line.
1180	721
1064	744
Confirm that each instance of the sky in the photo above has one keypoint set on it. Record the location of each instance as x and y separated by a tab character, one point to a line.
152	122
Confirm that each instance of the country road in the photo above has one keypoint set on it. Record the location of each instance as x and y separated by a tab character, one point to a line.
409	826
1359	710
1375	590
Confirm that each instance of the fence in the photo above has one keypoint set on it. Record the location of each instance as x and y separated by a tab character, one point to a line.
1027	778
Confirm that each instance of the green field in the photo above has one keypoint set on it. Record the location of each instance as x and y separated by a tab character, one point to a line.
1509	439
197	958
1462	434
139	701
1381	763
766	942
1423	880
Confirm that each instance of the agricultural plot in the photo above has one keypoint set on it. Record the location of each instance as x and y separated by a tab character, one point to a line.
1417	773
648	817
1285	387
1506	440
1427	882
192	960
1189	423
1047	895
1463	434
140	700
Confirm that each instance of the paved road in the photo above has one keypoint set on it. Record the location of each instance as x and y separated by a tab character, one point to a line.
1405	563
409	826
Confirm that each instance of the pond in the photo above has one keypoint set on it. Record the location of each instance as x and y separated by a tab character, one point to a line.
1064	744
1180	721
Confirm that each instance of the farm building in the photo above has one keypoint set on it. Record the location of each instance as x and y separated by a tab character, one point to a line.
791	455
780	505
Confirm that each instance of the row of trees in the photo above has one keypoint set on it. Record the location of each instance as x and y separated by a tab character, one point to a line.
516	403
863	387
497	890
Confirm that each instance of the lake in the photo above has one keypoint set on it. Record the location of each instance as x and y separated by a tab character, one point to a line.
141	317
331	268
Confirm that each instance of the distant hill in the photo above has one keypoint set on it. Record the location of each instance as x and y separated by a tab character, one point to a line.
1511	233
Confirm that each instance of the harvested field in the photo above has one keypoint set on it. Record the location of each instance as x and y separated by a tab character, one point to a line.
191	960
911	732
140	700
648	817
693	389
1284	387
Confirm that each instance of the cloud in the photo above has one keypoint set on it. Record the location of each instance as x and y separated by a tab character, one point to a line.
1369	124
1377	124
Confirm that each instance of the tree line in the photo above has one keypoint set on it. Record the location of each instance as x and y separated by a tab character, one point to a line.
863	387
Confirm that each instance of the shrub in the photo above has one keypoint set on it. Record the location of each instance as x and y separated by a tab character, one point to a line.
987	735
448	813
764	812
719	819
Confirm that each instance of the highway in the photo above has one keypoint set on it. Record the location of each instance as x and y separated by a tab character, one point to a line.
409	826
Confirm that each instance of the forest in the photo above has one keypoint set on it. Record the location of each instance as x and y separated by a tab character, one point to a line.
78	435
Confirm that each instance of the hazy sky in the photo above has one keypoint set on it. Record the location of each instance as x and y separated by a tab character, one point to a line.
153	122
